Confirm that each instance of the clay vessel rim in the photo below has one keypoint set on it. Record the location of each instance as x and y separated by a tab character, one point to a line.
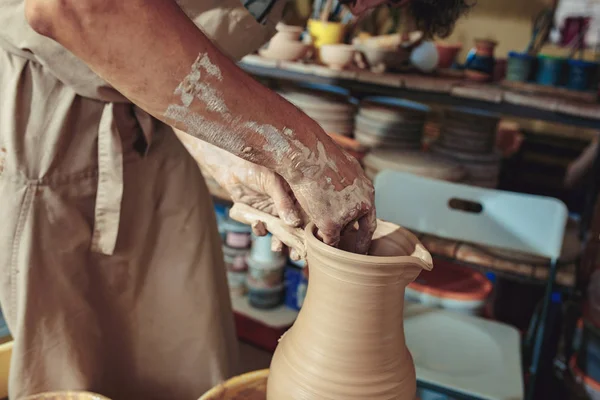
416	256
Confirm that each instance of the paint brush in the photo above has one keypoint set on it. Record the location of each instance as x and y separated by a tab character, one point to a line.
316	8
337	7
326	11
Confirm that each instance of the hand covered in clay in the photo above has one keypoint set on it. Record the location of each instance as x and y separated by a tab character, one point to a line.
331	189
334	191
247	183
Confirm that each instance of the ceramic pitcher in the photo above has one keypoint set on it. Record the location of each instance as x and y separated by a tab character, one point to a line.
348	341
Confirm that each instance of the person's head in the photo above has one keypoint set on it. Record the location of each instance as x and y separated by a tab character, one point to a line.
433	17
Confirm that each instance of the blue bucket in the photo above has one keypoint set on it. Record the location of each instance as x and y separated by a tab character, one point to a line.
550	70
582	75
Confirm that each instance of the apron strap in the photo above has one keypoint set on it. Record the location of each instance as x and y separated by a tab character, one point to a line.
110	184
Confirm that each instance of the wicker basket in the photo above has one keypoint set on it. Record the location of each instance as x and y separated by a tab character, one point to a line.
66	396
250	386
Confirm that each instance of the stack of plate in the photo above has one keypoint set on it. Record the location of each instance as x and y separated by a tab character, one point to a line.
468	137
330	106
483	170
414	162
468	130
391	123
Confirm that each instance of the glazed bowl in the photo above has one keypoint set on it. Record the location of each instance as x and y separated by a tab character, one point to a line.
337	56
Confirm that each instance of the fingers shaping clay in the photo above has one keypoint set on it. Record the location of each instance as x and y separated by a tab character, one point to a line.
290	236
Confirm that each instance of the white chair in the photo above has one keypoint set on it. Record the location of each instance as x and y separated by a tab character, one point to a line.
512	221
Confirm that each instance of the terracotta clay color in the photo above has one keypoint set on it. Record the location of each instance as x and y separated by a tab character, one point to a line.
348	341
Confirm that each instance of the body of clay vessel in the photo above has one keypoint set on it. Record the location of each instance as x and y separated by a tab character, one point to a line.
348	341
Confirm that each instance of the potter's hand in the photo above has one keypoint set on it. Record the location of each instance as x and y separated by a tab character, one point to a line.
334	191
247	183
257	187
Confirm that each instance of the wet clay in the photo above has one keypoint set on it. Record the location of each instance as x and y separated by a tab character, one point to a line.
290	236
348	340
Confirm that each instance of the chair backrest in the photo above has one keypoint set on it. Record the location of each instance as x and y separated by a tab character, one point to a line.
512	221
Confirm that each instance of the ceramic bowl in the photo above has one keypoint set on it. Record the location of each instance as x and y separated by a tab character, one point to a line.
337	56
283	50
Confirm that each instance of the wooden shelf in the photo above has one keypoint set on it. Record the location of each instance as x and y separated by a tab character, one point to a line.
435	90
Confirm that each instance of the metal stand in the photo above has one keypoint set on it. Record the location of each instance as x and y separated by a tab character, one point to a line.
540	332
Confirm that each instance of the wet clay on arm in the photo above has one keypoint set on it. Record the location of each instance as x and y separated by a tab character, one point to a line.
151	52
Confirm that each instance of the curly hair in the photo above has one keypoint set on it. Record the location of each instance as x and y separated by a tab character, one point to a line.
438	17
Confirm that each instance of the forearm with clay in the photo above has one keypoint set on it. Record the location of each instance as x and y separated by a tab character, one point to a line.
154	54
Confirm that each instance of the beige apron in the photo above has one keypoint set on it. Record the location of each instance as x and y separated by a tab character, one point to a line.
111	278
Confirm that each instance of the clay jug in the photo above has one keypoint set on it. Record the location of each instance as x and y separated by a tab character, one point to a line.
348	341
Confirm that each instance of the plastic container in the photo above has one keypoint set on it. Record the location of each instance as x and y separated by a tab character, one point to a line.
261	250
265	267
549	70
426	394
295	287
519	67
582	75
237	235
265	275
592	387
451	287
237	282
264	298
235	259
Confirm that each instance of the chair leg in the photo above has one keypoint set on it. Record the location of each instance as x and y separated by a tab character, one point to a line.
540	334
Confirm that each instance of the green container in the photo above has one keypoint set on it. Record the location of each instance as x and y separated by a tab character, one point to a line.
519	66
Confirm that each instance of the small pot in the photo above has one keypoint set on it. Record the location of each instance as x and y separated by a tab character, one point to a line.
550	70
519	66
284	50
289	32
485	47
447	54
337	56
